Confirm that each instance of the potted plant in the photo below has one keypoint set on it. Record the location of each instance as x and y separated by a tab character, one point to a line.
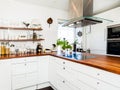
63	45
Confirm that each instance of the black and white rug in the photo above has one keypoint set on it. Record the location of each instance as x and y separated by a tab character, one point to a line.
46	88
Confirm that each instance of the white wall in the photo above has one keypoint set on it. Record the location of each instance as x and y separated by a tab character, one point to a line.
15	11
96	40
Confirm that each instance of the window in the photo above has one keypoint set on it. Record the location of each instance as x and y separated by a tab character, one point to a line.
67	33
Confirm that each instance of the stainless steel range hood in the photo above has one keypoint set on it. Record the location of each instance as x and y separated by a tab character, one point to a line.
81	12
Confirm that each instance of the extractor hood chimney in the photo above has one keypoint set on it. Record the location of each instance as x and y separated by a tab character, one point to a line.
80	13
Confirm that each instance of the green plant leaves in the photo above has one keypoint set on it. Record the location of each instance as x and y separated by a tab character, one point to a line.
64	44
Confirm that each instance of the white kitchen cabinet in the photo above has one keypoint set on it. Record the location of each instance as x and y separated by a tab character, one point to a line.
60	76
24	72
43	62
95	79
5	75
67	75
52	71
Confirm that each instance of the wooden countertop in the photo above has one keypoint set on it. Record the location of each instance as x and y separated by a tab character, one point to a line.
108	63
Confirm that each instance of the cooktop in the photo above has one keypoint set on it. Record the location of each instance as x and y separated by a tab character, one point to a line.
78	56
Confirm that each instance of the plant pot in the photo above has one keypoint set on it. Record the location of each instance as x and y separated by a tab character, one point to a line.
59	50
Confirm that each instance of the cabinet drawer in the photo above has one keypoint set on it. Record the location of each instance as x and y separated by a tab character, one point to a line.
59	61
84	86
19	68
69	74
32	59
110	78
106	86
84	69
31	79
19	81
63	84
18	60
88	80
31	67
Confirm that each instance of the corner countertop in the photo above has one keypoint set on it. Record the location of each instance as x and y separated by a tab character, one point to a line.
108	63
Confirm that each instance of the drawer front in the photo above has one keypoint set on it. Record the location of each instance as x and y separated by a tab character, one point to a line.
63	84
18	60
31	67
18	68
19	81
31	79
84	69
84	86
59	61
106	86
110	78
32	59
88	80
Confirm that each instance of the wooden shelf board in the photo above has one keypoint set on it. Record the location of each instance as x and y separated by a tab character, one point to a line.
20	28
22	40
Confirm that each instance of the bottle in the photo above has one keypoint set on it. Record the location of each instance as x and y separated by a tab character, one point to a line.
34	36
12	49
3	48
7	49
0	50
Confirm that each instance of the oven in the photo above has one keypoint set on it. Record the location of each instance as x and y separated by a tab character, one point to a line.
113	31
113	39
113	47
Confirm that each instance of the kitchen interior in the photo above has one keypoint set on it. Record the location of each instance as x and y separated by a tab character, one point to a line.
60	45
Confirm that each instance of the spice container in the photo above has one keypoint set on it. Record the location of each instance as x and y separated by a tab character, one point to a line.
3	48
34	36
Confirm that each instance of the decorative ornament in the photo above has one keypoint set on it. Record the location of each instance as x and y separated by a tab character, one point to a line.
49	21
79	33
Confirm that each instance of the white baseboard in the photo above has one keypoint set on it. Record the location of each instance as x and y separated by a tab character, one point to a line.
43	85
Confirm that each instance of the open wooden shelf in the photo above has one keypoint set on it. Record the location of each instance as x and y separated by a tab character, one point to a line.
20	28
21	40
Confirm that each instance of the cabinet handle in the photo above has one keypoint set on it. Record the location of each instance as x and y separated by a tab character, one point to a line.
63	62
98	74
63	81
25	64
63	68
98	83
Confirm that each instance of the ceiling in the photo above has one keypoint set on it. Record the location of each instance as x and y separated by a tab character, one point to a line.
99	5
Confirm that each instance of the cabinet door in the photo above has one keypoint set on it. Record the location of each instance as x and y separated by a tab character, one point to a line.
43	69
31	71
5	75
52	72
